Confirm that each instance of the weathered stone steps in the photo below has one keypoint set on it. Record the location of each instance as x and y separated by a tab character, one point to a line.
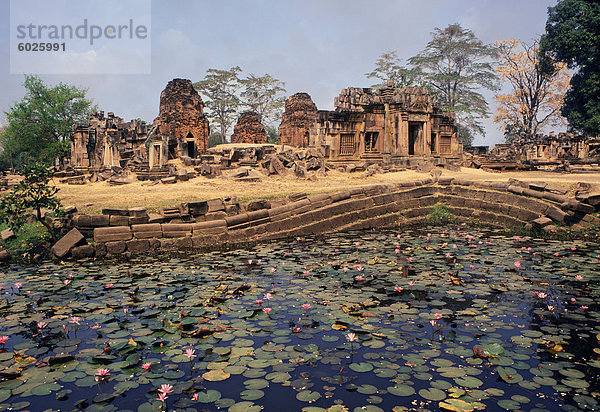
498	204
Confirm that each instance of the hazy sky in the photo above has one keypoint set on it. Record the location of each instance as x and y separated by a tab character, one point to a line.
314	46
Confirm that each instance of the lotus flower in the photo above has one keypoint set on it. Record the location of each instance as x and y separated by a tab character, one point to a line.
267	310
3	340
190	353
162	397
166	388
146	366
351	337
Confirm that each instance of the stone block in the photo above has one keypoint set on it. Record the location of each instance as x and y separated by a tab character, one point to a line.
176	229
178	243
99	220
116	212
82	221
138	245
258	204
215	205
147	231
197	208
82	252
209	227
4	256
7	234
111	234
138	220
137	212
100	249
236	219
67	242
119	220
540	222
116	248
215	216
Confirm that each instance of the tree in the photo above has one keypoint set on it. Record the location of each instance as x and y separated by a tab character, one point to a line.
454	65
572	37
388	68
33	193
261	95
536	95
39	126
272	134
220	88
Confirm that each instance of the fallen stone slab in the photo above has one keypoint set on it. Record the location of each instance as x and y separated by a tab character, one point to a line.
67	242
7	234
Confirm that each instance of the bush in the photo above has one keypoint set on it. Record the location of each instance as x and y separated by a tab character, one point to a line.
440	215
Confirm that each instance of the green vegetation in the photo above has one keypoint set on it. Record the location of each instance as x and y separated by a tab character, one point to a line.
32	194
39	126
440	215
454	64
226	94
30	240
388	68
572	37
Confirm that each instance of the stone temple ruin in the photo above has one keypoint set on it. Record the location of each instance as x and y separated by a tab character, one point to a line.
371	130
564	151
181	129
385	125
249	129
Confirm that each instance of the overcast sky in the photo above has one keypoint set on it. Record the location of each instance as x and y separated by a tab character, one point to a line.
314	46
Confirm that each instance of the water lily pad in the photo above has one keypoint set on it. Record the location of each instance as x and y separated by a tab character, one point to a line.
401	390
216	375
456	405
251	394
209	396
432	394
308	396
361	367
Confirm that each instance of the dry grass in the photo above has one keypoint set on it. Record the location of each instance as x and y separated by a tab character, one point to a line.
92	197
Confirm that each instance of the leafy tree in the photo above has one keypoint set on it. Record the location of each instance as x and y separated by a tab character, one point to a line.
272	135
536	95
388	68
573	37
262	95
39	126
215	138
220	88
454	65
33	193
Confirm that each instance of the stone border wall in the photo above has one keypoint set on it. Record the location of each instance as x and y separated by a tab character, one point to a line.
513	204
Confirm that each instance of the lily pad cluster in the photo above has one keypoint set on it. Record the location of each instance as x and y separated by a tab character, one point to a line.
458	319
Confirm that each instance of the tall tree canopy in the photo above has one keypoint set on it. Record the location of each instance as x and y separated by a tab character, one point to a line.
220	89
387	67
263	96
226	94
573	37
454	65
536	95
39	126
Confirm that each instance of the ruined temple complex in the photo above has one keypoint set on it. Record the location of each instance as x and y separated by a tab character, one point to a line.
386	125
397	127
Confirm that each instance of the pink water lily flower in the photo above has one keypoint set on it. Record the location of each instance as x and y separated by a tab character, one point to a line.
195	397
75	320
259	301
359	278
102	374
109	285
517	264
579	277
267	310
306	305
41	325
18	285
3	340
438	315
67	281
162	397
146	366
166	388
398	288
268	296
351	337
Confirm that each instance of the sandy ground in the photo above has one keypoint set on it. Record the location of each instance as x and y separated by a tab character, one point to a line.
93	197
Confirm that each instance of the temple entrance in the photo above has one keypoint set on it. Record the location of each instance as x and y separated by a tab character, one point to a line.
415	134
192	150
371	141
172	148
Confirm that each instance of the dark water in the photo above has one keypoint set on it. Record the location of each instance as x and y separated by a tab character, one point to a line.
457	319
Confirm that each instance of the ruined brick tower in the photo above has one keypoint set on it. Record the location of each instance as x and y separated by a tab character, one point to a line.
299	115
181	122
249	129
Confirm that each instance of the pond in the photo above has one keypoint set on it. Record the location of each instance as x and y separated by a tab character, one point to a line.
456	319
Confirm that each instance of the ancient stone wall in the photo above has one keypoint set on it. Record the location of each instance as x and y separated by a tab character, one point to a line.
299	115
107	141
181	120
249	129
